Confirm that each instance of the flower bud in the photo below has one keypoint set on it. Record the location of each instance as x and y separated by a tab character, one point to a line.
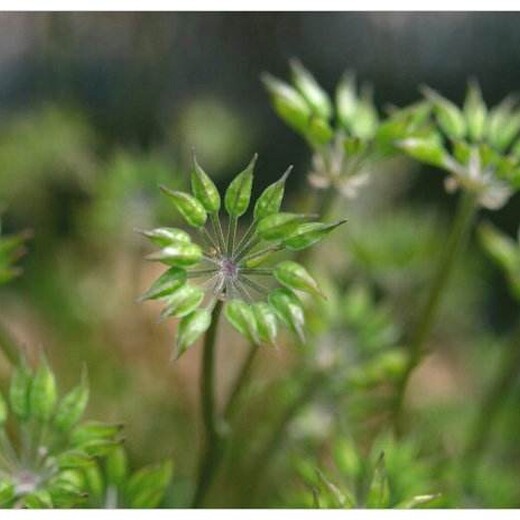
189	207
238	194
270	201
295	276
475	112
191	327
346	100
204	189
289	309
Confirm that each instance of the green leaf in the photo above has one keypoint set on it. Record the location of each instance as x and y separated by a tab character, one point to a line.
146	487
72	406
117	466
191	328
238	194
183	301
170	281
270	201
241	316
449	117
288	103
289	309
310	89
204	189
279	225
475	112
296	277
266	322
309	233
428	150
179	255
189	207
379	493
19	391
164	237
43	396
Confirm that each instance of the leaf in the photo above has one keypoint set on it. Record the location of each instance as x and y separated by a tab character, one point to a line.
238	194
191	328
379	494
289	309
309	233
204	189
183	301
310	89
72	406
146	487
189	207
241	316
179	255
19	391
43	396
166	236
270	201
449	117
266	322
169	282
295	276
279	225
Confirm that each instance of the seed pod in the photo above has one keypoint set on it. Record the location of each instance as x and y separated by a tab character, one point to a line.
183	301
475	112
319	131
503	124
365	121
238	193
179	255
189	207
72	406
117	466
266	323
346	100
449	117
146	487
191	328
309	233
241	316
43	397
279	225
270	201
428	150
94	431
19	391
164	237
73	459
166	284
289	309
288	103
295	276
204	189
310	89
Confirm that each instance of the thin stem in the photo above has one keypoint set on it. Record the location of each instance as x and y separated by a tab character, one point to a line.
217	229
208	238
210	455
232	233
260	289
246	236
263	252
256	271
243	376
9	346
461	225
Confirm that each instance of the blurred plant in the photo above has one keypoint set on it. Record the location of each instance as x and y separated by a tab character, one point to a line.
231	265
44	467
347	137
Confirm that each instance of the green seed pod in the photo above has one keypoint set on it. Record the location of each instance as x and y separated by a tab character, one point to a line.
173	279
319	131
475	112
164	237
449	117
427	150
204	189
179	255
19	391
503	124
183	301
279	225
266	322
379	493
189	207
43	396
117	466
3	410
72	406
270	201
73	459
289	309
288	103
310	89
241	316
238	193
365	121
146	487
309	233
94	481
94	431
346	100
191	328
295	276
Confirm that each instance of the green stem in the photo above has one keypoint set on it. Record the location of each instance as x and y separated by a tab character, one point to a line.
240	381
210	455
461	226
9	346
232	233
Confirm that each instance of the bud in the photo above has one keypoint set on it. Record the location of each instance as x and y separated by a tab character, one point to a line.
295	276
428	150
289	309
72	406
42	397
475	112
450	118
191	327
189	207
241	316
309	233
179	255
270	201
204	189
364	124
279	225
346	100
319	131
173	279
238	194
183	301
266	323
164	237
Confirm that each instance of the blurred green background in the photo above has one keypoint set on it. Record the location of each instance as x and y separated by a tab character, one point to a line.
98	109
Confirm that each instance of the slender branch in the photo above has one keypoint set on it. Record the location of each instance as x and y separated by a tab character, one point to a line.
246	236
248	246
461	225
210	455
232	233
217	229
